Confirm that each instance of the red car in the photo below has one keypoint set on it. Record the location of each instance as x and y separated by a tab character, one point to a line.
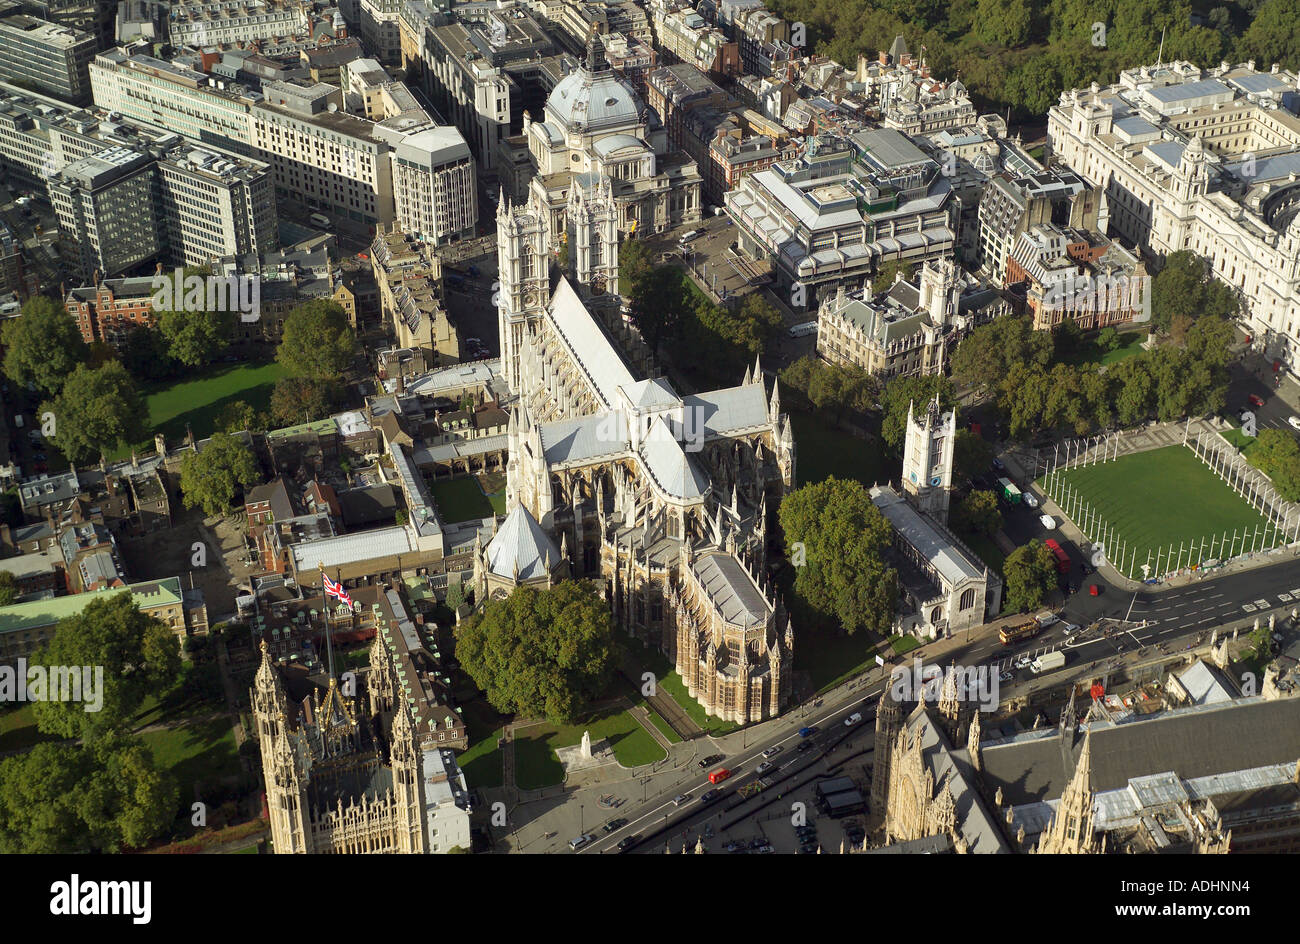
1256	400
1094	590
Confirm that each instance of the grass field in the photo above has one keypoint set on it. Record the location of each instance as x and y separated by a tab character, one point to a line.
824	451
199	753
1162	496
460	499
537	766
1130	343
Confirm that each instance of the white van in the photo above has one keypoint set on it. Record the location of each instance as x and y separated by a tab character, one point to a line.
852	719
319	219
688	236
803	330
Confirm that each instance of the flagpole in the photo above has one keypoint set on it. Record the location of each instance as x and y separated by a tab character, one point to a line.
325	615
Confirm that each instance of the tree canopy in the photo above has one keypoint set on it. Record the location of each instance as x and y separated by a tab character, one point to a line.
98	410
318	341
541	653
841	574
212	477
138	653
1277	455
1029	573
42	346
912	392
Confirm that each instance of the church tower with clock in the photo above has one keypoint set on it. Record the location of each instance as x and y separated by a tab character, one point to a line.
927	460
525	283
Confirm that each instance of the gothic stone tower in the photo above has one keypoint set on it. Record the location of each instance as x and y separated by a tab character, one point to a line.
524	288
592	223
286	789
927	460
1071	829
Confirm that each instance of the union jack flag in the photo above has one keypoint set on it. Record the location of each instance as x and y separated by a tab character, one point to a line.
336	590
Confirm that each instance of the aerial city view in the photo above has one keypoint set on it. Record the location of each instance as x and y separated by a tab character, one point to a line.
584	427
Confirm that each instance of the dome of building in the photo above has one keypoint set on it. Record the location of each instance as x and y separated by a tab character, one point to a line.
593	98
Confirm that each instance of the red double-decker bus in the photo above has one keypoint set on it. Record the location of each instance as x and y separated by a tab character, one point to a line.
1062	558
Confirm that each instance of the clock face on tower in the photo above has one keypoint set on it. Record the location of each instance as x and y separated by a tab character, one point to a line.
913	477
530	299
936	480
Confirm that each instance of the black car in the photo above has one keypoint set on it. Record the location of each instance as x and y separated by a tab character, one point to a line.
710	761
805	746
708	796
614	824
627	842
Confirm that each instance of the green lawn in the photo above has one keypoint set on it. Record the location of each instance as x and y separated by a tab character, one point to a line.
1130	343
460	500
647	659
198	400
493	485
823	451
198	753
537	766
1163	496
1245	444
482	762
18	729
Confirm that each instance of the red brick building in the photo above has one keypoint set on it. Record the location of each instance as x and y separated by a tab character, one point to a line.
109	309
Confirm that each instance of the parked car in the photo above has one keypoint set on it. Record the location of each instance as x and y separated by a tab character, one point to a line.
1030	499
998	464
580	841
1047	521
1006	676
1293	421
709	761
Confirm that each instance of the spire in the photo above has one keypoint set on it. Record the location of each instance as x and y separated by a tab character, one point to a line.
774	410
758	368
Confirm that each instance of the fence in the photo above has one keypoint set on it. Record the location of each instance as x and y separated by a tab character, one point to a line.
1110	546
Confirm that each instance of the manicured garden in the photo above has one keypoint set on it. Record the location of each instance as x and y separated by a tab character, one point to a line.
536	763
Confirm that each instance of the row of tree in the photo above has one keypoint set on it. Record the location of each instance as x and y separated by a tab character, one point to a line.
1021	54
713	341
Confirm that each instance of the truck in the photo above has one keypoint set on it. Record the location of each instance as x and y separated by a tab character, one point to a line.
1058	552
1009	490
1046	619
1016	632
1048	662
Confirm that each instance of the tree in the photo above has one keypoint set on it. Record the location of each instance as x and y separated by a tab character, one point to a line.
1107	339
318	342
42	346
635	261
97	411
972	455
1277	455
1187	286
1029	573
978	513
541	653
296	400
196	338
1273	35
839	539
987	355
239	416
72	798
889	273
211	478
8	588
833	388
145	354
1003	22
138	654
915	393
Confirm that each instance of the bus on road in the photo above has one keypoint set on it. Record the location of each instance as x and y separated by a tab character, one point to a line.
1017	632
